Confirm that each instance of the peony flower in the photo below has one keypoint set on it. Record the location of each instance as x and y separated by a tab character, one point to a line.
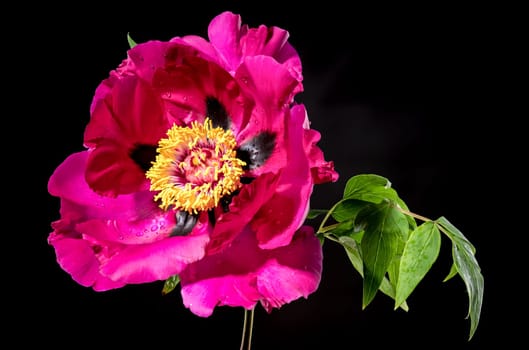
198	163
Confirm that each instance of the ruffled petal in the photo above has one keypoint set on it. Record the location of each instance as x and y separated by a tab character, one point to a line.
77	257
270	85
272	41
186	88
224	33
235	41
243	274
321	170
283	214
295	272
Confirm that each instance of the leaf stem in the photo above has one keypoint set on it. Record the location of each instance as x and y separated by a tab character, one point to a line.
323	229
416	216
328	228
425	219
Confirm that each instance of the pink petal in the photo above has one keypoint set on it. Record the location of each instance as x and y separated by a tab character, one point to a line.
145	58
142	61
272	42
104	88
269	83
77	257
242	209
234	42
295	271
131	115
111	171
322	171
184	89
126	239
68	183
202	45
243	274
224	33
158	260
289	57
142	227
283	214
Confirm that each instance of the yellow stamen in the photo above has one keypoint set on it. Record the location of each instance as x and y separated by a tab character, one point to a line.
195	167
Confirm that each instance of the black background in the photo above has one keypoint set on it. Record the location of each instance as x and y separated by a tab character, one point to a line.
405	93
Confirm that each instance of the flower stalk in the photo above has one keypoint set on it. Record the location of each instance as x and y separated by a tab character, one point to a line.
247	329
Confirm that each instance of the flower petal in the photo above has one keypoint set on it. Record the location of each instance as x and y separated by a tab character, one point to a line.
295	272
131	115
155	261
234	42
322	171
269	84
242	209
126	239
243	274
186	88
68	183
283	214
76	256
224	33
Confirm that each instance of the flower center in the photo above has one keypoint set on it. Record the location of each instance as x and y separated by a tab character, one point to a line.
195	167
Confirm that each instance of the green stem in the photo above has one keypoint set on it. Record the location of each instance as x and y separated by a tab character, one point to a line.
413	215
328	228
425	219
322	228
247	328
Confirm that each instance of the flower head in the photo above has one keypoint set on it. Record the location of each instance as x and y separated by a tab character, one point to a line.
198	163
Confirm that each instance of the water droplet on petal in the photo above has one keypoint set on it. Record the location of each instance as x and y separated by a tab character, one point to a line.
154	228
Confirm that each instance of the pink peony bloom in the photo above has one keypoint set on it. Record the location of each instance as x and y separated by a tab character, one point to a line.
199	164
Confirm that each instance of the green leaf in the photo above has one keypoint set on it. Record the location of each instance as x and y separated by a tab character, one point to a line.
370	188
394	266
170	284
420	252
452	273
411	219
347	209
131	42
384	226
314	213
353	252
455	234
467	267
